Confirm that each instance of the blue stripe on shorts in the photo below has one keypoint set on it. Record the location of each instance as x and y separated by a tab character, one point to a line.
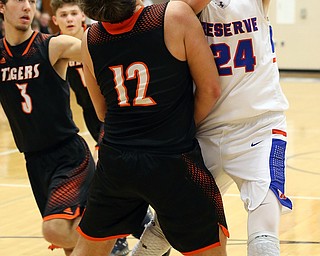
277	171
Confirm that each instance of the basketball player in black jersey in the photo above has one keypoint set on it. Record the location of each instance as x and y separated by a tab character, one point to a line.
36	99
68	16
139	64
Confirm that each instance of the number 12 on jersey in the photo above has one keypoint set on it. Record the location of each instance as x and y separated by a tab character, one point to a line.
138	71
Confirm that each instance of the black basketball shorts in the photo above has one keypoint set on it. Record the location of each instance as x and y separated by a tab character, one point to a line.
177	186
60	178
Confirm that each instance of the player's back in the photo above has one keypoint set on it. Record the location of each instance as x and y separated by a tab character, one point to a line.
148	91
34	97
240	37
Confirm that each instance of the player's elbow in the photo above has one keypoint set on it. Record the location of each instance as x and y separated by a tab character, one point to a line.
215	91
101	116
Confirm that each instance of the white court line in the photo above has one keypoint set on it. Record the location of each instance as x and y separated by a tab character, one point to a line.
8	152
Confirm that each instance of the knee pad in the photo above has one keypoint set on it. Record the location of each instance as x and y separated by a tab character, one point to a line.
262	244
152	242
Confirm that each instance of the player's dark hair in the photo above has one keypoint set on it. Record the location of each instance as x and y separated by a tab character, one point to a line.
113	11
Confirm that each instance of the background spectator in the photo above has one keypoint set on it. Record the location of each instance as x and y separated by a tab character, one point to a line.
44	21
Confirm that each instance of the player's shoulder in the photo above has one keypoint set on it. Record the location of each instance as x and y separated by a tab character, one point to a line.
178	12
179	9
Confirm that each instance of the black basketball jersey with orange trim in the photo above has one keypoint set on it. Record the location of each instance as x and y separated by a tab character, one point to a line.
34	97
76	80
148	92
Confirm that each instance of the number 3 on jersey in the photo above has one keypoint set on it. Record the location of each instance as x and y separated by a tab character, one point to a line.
137	71
27	104
243	58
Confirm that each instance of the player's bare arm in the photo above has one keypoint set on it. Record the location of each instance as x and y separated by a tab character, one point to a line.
62	49
93	88
193	48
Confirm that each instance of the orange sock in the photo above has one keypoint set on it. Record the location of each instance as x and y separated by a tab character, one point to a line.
52	247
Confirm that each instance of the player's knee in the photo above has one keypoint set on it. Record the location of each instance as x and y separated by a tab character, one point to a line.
266	217
56	231
263	244
49	230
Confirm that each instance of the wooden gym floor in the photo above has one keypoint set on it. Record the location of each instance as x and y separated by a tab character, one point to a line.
20	221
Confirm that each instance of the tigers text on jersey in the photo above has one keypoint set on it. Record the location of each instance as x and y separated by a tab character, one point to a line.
240	38
34	97
148	92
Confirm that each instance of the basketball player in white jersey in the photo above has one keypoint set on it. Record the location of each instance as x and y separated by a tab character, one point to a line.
244	138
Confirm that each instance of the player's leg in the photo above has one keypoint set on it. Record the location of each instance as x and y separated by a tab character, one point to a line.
87	247
121	247
261	179
211	152
152	241
73	167
147	219
52	174
113	210
263	223
61	232
195	205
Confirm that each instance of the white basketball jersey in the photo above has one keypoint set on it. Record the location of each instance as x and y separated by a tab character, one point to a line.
240	38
